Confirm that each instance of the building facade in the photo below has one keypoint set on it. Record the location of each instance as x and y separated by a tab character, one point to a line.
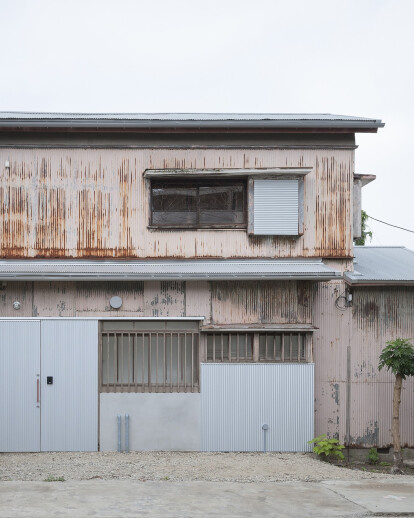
186	277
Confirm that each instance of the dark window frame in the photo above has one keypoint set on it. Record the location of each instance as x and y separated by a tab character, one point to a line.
197	184
261	346
137	356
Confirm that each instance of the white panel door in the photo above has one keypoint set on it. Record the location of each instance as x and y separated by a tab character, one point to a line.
69	358
19	385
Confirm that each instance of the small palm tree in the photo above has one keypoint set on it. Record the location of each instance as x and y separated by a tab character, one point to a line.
397	356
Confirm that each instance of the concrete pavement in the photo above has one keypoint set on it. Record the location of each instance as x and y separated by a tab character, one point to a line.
127	498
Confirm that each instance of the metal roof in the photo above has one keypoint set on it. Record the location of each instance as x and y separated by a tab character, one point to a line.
188	120
382	265
277	269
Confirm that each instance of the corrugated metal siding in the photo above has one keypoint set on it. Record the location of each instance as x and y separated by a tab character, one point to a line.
237	399
95	203
330	342
19	367
276	208
287	302
69	411
378	314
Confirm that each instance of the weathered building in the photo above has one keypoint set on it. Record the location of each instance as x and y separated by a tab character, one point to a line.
189	272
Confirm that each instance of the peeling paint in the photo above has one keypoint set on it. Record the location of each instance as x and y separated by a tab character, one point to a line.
370	436
335	394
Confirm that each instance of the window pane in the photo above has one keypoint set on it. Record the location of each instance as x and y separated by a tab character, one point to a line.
199	203
174	218
226	197
174	199
242	347
125	358
221	217
108	359
295	347
221	204
174	206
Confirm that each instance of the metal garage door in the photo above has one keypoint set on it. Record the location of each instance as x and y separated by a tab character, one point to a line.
49	385
19	386
238	399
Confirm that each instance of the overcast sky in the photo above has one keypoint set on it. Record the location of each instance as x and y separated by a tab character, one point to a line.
352	57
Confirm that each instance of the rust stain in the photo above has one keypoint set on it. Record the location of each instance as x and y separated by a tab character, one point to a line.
259	301
95	203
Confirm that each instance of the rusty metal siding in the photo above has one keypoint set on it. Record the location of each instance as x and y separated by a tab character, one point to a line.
330	342
378	314
287	302
220	302
198	299
94	203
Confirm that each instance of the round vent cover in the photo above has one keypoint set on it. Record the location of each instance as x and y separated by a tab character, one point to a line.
115	302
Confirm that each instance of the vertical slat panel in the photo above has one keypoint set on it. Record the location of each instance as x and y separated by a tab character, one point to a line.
70	405
276	207
19	366
256	394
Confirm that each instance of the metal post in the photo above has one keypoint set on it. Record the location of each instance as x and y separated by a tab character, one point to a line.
348	399
265	427
126	433
118	417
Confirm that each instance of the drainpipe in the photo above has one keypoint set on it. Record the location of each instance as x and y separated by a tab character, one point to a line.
265	427
118	417
348	399
126	433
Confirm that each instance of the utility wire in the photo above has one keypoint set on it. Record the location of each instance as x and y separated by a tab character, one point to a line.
389	224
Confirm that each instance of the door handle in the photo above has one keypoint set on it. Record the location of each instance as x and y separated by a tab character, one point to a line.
38	390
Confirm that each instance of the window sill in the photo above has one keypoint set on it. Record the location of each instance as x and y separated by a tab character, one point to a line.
196	229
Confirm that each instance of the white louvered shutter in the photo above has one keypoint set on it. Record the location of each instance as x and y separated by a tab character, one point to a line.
276	207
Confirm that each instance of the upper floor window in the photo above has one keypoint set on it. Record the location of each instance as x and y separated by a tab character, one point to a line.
212	203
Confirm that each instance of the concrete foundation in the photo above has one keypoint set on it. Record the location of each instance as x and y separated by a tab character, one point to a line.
156	421
361	454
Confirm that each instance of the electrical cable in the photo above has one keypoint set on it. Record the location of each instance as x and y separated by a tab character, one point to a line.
395	226
346	303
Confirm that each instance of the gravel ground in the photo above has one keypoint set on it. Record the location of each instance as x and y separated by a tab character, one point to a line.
175	466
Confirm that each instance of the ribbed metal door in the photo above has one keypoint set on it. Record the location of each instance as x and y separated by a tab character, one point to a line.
19	386
238	399
70	403
276	207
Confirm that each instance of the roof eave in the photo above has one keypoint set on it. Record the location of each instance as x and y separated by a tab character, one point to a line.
317	276
350	126
365	282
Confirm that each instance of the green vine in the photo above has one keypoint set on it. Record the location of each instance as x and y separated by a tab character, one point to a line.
365	233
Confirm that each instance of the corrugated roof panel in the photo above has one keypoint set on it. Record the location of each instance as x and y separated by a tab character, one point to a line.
382	265
165	270
269	120
185	116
